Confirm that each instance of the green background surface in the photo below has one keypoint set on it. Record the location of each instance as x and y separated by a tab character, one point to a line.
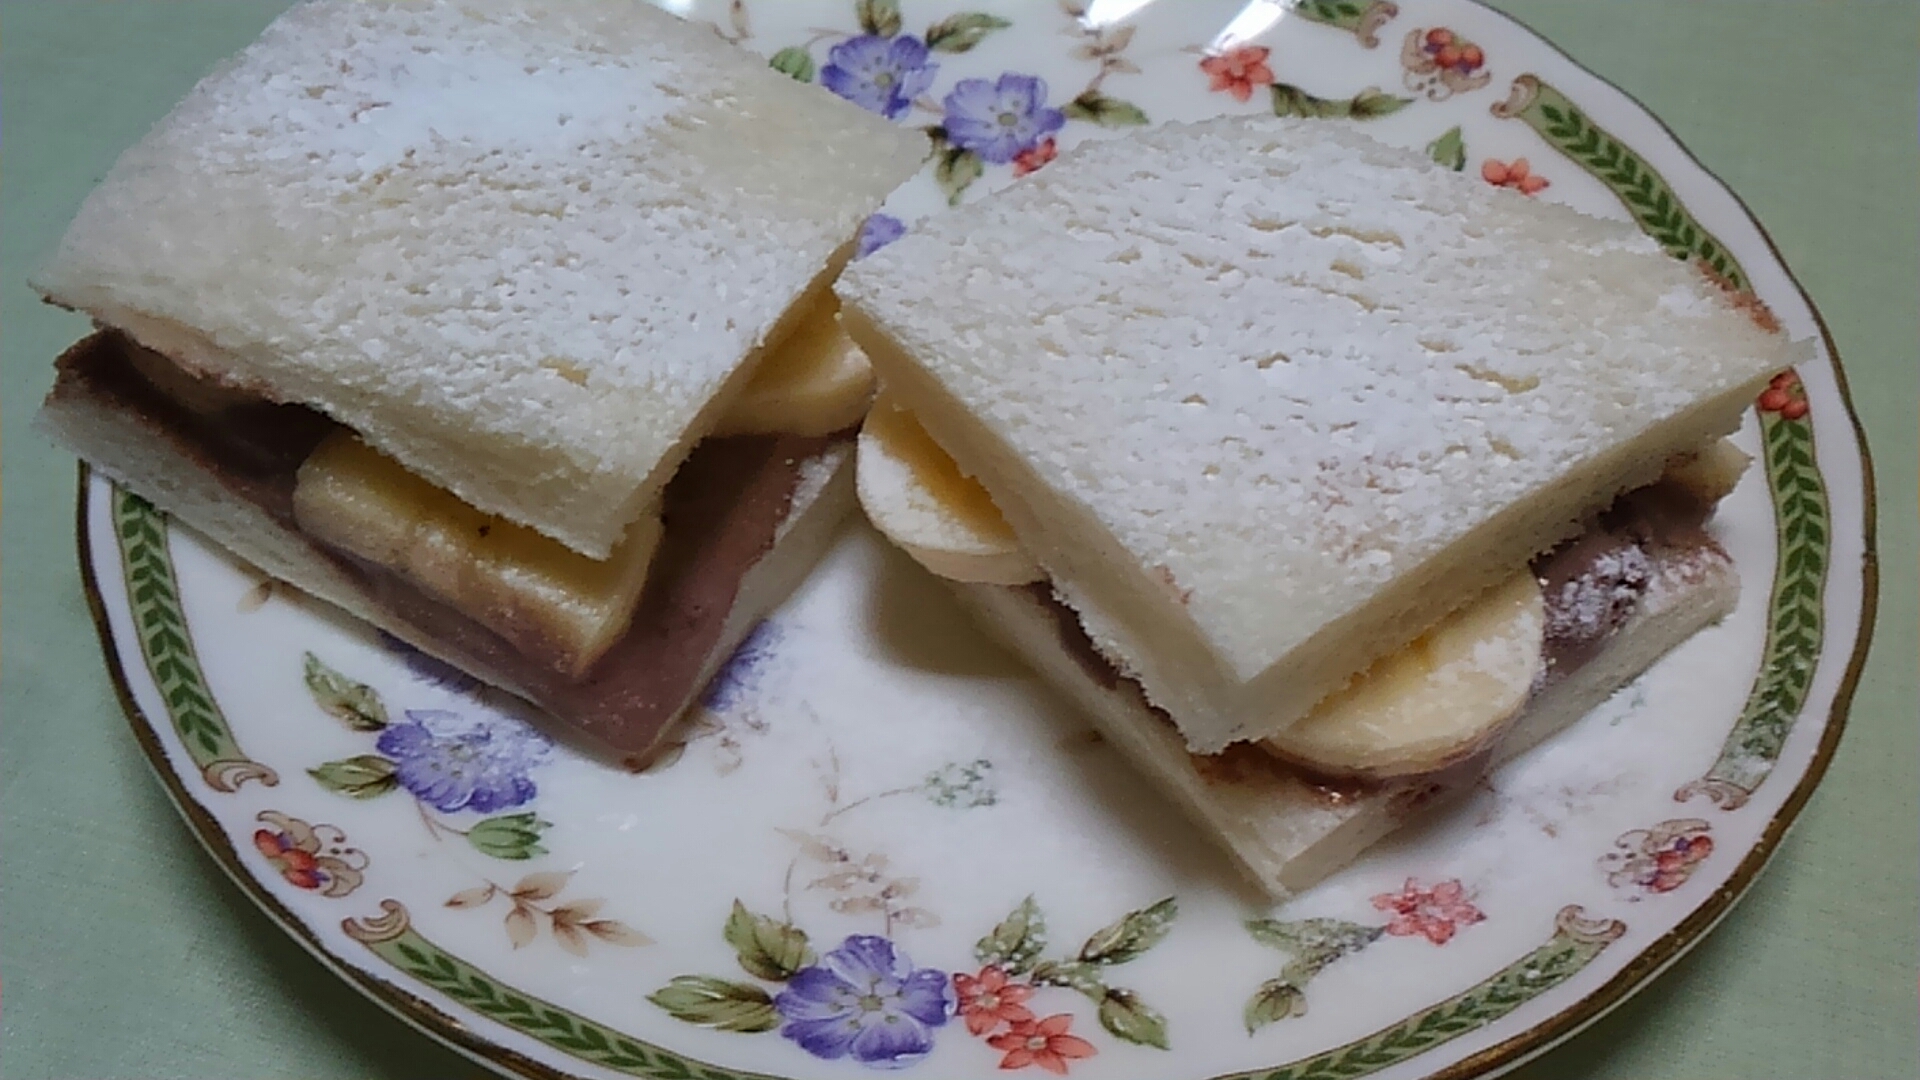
124	952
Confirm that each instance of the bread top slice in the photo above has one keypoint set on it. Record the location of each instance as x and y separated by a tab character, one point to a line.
1268	398
525	248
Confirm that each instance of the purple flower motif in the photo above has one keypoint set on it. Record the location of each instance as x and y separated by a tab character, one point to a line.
879	231
742	670
452	762
866	999
428	669
1000	120
879	74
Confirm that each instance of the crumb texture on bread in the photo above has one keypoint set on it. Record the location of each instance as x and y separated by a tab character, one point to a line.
1267	397
524	248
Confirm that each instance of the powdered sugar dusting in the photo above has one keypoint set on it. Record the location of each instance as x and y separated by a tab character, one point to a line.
1593	604
518	246
1298	363
377	109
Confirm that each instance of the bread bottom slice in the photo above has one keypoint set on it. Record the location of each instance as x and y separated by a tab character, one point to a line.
1284	828
630	701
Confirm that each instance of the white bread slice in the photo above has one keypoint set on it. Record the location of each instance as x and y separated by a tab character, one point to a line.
155	467
525	247
1285	832
1267	398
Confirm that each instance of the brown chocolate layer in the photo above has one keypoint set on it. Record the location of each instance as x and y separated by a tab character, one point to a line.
721	513
1591	586
1593	583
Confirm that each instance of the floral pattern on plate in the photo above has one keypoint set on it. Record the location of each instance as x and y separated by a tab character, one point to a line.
875	830
867	1000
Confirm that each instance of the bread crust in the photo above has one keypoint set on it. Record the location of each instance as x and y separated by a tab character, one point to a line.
528	250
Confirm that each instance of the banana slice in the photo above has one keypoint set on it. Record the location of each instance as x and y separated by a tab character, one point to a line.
1710	474
545	598
1434	702
915	495
817	382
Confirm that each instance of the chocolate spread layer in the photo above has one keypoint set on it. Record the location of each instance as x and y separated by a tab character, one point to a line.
1590	587
720	515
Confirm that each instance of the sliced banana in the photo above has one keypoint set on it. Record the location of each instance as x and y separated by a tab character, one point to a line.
1435	701
1711	474
918	498
817	382
545	598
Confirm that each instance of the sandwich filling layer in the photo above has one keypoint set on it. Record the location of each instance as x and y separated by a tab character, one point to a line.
1636	587
1269	399
720	516
1591	587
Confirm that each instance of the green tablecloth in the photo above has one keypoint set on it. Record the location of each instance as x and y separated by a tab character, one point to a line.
125	953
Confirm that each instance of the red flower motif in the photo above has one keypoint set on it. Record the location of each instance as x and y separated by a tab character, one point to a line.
1436	913
1659	859
311	857
987	1000
299	867
1516	174
1034	156
1044	1043
1786	396
1674	863
1238	71
1450	50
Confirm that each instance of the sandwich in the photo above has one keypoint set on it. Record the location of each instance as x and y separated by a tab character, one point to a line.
504	326
1321	477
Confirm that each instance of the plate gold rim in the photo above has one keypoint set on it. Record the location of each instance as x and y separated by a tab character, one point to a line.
1510	1053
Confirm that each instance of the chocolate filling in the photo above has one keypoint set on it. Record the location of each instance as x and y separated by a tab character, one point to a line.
1590	585
720	514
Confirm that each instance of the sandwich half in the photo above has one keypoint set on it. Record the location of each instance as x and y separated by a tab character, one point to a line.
1321	478
504	326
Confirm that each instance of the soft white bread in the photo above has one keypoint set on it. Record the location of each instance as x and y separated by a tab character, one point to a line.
142	459
526	248
1281	829
1267	398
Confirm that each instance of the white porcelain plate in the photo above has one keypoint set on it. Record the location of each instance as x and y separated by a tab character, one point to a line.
885	845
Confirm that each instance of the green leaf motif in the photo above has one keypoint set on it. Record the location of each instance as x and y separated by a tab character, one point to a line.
1017	941
793	62
1794	626
1307	939
962	787
880	17
1126	1017
957	169
717	1003
1108	112
1641	189
556	1027
1076	975
959	33
1131	935
1449	149
365	776
160	626
1313	944
1368	104
509	836
1363	18
1277	999
1574	945
354	704
1343	13
766	947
